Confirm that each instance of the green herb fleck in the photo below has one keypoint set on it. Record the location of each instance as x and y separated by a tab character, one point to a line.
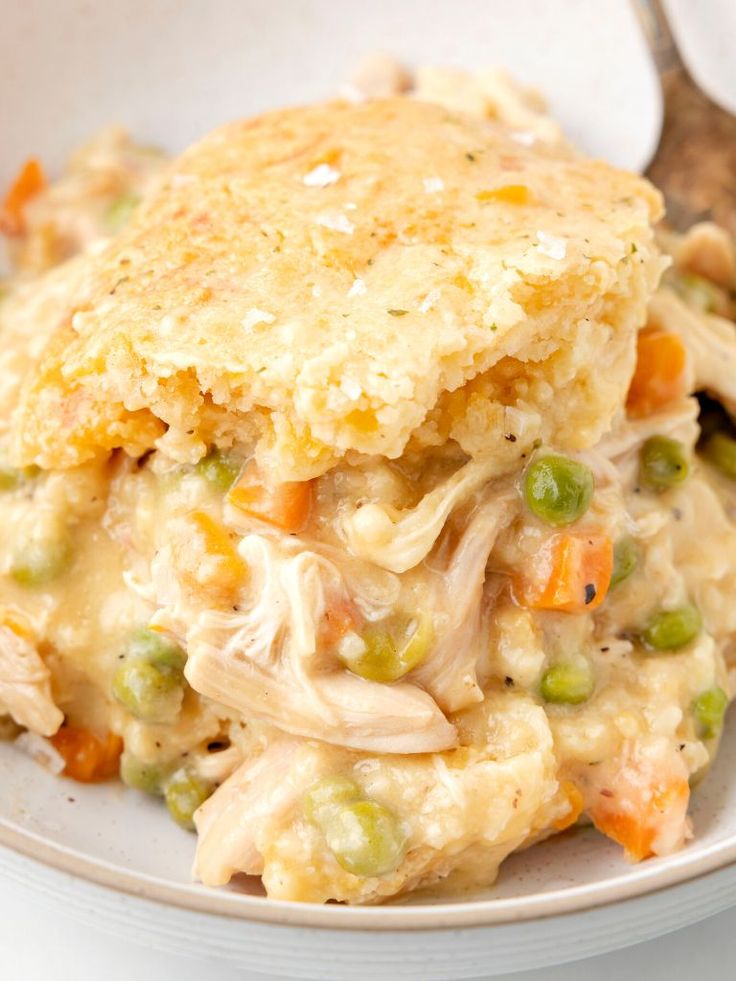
397	313
120	211
471	157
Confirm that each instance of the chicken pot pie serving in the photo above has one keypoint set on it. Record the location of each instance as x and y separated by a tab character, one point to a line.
363	495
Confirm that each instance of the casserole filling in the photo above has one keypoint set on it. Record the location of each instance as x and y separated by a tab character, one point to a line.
398	670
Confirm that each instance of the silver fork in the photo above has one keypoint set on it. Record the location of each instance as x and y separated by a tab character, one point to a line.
695	162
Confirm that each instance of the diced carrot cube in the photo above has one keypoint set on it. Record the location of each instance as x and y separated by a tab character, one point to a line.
29	182
286	505
89	758
570	573
660	376
207	561
635	824
508	194
576	802
341	616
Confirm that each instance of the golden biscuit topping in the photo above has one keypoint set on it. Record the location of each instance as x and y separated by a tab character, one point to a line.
318	281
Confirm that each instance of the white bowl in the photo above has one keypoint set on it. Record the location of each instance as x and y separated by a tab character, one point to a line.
170	72
113	857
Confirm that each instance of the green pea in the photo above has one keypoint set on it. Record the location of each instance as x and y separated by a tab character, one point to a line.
154	647
720	450
698	291
38	561
329	793
184	793
625	560
671	629
567	684
12	477
365	837
663	463
150	692
219	469
148	777
558	490
121	211
709	709
393	649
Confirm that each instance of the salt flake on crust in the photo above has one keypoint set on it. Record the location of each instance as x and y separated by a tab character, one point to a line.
256	316
321	176
552	246
433	185
336	222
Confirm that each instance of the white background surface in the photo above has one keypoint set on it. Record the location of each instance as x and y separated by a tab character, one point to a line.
197	63
36	945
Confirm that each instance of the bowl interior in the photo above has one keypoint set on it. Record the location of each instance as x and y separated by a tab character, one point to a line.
170	72
123	839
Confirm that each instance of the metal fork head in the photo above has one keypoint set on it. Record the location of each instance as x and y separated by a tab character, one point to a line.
695	162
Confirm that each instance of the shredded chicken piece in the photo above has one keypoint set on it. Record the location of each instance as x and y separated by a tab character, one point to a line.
339	708
709	572
710	341
228	823
707	250
465	814
679	420
263	661
449	674
399	540
25	681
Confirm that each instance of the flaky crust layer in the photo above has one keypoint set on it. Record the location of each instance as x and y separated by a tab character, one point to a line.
316	281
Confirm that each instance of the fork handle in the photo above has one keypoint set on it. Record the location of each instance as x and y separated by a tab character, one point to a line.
658	33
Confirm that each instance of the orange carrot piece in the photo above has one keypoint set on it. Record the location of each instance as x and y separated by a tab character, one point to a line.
286	505
341	616
660	376
462	282
89	758
29	182
571	573
635	824
508	194
576	802
208	558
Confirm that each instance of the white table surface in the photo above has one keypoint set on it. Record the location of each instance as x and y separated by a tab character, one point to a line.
37	946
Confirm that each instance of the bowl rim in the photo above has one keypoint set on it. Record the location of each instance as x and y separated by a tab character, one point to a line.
647	878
